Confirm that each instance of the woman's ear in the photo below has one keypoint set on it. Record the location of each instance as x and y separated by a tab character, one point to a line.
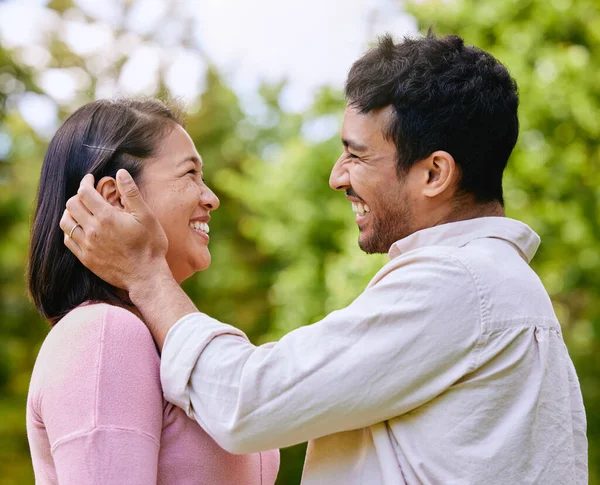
107	187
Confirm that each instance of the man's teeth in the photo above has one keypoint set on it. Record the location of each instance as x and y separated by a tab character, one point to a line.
360	208
199	226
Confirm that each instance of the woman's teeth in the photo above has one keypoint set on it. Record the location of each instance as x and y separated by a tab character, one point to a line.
199	226
360	208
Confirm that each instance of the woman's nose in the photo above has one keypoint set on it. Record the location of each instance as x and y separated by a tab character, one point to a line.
208	199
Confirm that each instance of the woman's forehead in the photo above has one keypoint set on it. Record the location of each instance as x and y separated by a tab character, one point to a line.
178	147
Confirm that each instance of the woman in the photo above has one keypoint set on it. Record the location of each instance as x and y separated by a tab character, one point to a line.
95	411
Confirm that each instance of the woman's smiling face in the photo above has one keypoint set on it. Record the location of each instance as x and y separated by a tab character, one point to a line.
173	187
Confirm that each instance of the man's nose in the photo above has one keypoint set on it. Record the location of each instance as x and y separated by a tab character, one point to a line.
339	178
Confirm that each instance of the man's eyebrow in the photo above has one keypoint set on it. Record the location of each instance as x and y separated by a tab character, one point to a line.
354	145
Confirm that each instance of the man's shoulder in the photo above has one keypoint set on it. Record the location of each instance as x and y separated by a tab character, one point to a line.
508	288
421	262
490	273
477	259
429	273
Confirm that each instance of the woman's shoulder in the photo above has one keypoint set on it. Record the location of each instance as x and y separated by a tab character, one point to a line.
97	332
98	313
100	344
105	321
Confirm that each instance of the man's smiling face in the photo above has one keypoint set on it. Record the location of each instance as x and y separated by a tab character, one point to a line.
367	171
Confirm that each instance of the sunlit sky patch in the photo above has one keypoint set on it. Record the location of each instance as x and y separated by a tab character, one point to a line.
310	44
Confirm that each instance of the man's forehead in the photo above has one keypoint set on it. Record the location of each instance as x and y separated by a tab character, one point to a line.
363	127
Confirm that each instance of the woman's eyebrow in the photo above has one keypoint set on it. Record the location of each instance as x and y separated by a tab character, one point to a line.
191	158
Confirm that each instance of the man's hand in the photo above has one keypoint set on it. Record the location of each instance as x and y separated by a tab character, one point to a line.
127	247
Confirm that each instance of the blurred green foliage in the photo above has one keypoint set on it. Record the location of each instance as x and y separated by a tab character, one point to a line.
284	245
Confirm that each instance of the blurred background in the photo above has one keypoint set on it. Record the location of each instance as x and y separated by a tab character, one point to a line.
262	81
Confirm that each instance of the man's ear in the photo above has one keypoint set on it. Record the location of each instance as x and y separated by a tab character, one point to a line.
441	173
107	187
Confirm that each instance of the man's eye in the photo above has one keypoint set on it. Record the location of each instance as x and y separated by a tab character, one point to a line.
192	171
352	155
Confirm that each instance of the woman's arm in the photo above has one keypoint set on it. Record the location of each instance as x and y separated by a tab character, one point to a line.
113	435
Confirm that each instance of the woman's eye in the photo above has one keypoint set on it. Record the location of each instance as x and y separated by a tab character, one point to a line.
193	171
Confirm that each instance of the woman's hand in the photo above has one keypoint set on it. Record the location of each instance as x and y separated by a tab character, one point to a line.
124	248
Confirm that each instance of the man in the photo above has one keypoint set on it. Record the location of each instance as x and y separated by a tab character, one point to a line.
450	368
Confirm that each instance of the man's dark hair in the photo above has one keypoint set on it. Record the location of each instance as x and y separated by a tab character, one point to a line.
445	96
99	138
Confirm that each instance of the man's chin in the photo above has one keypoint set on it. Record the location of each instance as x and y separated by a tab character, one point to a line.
369	246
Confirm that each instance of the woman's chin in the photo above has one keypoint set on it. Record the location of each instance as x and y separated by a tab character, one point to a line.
204	263
183	272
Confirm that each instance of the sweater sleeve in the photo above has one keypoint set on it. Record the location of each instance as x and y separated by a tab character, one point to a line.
107	456
104	419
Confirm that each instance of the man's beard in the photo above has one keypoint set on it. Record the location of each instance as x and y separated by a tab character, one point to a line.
386	231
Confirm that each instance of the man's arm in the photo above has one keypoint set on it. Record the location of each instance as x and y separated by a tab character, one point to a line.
404	341
127	249
162	303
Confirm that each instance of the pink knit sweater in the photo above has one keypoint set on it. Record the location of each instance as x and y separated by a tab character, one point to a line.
96	413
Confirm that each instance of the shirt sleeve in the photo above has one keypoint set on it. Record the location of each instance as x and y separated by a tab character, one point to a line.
112	400
406	339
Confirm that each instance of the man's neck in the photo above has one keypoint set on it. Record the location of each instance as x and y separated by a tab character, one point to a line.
467	210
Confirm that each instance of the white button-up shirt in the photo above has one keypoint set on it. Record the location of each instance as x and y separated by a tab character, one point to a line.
450	368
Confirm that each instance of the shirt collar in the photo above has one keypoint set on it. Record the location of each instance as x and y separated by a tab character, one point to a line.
461	233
